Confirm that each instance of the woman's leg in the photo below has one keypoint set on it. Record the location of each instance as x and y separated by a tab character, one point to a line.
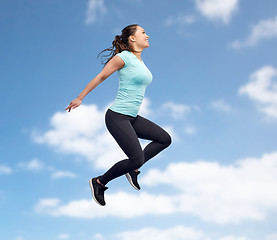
120	127
146	129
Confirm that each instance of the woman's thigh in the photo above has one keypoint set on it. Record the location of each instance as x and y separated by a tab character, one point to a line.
149	130
123	132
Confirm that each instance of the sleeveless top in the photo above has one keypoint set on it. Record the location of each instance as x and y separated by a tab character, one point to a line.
134	77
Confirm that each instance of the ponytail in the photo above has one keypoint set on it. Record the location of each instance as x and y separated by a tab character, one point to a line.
120	43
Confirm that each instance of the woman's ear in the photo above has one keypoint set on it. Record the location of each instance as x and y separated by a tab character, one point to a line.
132	38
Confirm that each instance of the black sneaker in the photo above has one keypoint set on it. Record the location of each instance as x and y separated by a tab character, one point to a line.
133	179
97	191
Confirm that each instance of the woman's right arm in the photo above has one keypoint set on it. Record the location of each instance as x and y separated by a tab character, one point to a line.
113	65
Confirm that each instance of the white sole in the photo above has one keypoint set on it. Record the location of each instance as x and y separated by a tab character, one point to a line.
130	181
92	191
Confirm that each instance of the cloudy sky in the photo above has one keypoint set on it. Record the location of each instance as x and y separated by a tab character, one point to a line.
214	89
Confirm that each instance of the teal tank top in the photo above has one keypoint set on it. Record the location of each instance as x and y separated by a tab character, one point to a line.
134	77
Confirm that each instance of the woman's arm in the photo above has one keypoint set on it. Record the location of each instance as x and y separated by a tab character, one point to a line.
113	65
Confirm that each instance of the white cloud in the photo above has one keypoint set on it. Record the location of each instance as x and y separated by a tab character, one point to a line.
34	165
63	174
176	110
221	105
19	238
217	9
222	194
49	202
233	238
63	236
83	132
265	29
190	130
98	236
96	9
263	90
178	232
5	170
216	193
119	204
175	233
179	20
145	110
272	236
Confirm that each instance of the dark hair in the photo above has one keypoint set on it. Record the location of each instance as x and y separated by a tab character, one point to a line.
120	43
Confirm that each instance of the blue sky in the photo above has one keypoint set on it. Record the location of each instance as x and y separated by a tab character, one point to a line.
214	89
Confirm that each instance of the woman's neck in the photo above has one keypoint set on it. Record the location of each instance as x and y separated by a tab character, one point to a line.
138	55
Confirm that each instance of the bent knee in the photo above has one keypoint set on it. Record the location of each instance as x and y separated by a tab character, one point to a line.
165	139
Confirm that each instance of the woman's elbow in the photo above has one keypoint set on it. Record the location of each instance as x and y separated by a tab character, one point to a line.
101	77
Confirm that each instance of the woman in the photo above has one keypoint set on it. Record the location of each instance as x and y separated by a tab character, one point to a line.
122	119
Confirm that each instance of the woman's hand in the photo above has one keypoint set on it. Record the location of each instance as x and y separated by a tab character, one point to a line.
75	103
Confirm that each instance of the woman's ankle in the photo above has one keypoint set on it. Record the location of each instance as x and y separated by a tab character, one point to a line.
98	181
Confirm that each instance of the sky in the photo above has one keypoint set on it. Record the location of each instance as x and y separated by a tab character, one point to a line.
214	90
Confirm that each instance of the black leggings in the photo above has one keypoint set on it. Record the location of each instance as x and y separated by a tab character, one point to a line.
126	130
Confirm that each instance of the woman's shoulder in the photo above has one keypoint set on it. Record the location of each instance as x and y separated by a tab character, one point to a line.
124	55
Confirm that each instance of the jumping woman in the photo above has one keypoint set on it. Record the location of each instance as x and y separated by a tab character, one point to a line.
121	118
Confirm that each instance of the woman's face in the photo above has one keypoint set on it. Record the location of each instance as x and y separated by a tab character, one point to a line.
140	38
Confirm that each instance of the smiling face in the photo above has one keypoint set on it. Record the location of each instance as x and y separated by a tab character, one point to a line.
140	39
